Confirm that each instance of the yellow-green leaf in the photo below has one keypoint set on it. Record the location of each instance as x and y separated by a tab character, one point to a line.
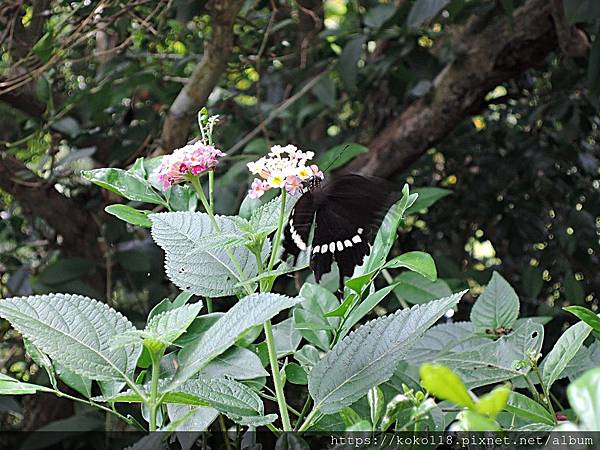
444	384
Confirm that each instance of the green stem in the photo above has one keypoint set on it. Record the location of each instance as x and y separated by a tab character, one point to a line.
211	190
207	207
276	242
283	412
309	420
154	401
224	431
209	305
303	412
547	398
95	405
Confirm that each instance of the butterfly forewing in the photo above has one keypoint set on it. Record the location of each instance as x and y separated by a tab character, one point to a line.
347	211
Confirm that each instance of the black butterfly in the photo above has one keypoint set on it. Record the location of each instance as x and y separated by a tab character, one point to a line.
347	211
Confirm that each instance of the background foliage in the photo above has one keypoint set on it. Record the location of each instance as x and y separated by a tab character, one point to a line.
496	102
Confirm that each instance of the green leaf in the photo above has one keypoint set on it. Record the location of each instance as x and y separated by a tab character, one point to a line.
74	381
423	10
427	197
364	308
189	418
498	360
564	350
310	320
64	270
376	402
265	219
130	215
168	326
497	307
386	236
444	339
419	262
584	398
250	311
378	15
340	155
369	356
124	184
493	402
238	363
588	317
444	384
325	90
295	374
286	337
291	441
168	305
528	409
348	62
472	421
416	289
43	48
75	331
190	264
532	281
10	386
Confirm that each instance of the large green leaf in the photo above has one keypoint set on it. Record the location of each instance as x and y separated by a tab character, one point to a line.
189	418
238	363
415	288
130	215
74	331
168	326
441	382
369	356
497	307
427	197
10	386
124	183
195	259
588	317
419	262
528	409
564	350
364	308
584	398
445	339
498	360
252	310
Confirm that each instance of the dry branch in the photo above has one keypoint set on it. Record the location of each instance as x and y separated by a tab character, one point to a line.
205	76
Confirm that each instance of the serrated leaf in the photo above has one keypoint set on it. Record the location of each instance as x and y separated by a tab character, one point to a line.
443	339
444	384
528	409
75	331
167	305
265	219
369	356
498	360
193	267
250	311
497	307
564	350
168	326
365	307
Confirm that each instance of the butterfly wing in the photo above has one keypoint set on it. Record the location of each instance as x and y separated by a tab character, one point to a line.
349	211
297	230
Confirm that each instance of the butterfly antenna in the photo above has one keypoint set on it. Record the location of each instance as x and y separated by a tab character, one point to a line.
337	157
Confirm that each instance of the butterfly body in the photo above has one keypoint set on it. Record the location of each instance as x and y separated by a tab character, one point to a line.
346	212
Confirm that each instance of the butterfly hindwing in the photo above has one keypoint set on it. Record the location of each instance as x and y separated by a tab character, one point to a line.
297	230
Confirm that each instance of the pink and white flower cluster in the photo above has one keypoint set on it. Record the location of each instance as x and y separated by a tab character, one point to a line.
193	159
284	167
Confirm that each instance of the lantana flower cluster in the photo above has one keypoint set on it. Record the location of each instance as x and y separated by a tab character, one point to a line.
284	167
193	159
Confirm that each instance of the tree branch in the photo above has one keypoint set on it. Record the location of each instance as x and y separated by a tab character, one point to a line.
488	56
79	232
205	76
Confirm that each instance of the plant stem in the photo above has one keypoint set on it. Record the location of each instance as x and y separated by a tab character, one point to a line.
532	388
547	398
303	412
283	412
390	281
209	305
211	190
154	402
309	420
224	431
276	242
